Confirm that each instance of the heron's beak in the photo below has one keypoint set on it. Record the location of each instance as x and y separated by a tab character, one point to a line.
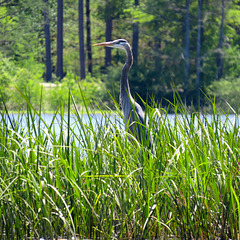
104	44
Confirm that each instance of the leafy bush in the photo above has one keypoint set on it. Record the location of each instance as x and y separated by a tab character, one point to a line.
226	90
92	89
7	70
112	79
25	78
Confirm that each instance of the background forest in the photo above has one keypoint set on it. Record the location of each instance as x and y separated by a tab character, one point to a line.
188	46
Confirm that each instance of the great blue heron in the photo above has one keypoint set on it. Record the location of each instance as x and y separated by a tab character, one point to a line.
132	111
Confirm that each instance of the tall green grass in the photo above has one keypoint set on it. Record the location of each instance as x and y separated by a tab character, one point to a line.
93	182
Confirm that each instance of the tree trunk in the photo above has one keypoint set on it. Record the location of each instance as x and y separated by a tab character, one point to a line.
108	36
81	40
187	54
88	28
220	47
47	42
135	38
199	27
59	72
157	46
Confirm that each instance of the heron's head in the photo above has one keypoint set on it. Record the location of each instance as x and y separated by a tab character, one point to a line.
119	43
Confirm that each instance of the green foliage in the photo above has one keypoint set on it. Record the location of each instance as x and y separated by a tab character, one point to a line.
231	62
112	80
233	23
111	9
92	88
139	15
161	58
7	70
227	91
22	30
25	78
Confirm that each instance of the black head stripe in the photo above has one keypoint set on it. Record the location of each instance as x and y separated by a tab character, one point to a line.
121	41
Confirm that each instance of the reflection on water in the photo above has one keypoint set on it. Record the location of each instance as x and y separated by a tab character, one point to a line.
58	123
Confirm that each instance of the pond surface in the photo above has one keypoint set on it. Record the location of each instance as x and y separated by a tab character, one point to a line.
95	121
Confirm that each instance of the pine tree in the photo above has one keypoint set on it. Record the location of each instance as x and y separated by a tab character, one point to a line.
199	27
47	42
108	36
187	46
220	46
59	72
88	28
135	38
81	40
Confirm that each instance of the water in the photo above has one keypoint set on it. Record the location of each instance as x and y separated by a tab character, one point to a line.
47	120
99	121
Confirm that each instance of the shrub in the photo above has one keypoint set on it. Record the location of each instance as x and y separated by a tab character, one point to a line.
7	69
226	90
25	78
92	89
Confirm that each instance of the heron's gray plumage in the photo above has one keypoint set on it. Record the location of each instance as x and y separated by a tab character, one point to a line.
133	114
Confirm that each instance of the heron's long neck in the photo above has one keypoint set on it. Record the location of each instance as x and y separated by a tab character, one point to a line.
125	89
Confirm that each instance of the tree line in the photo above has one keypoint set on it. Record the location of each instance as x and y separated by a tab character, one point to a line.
192	46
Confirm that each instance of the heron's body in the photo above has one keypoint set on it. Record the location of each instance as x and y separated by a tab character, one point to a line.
132	111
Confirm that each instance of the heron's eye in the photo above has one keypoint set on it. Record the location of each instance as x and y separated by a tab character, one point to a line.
121	42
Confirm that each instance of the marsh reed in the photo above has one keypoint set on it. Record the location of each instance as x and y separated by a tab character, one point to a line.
90	181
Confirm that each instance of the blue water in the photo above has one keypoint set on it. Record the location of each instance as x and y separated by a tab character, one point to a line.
97	121
93	122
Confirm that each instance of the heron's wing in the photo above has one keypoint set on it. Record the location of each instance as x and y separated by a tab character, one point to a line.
140	114
134	116
136	119
138	125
